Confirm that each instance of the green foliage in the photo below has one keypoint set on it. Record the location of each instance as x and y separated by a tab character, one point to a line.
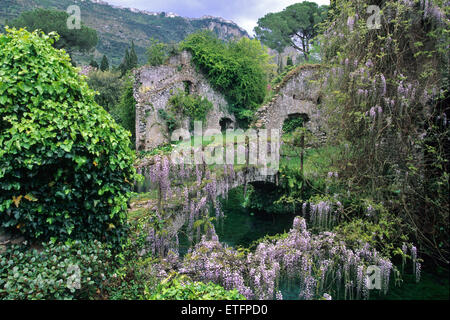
104	65
133	63
289	62
193	106
127	63
238	69
293	123
264	199
94	64
124	112
179	287
170	120
162	149
385	105
52	272
66	166
115	94
109	86
296	26
135	269
279	78
381	229
83	39
157	53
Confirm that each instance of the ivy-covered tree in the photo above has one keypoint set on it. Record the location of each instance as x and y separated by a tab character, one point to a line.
296	26
66	169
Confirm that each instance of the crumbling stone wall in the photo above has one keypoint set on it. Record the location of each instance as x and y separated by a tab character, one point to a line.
299	93
152	90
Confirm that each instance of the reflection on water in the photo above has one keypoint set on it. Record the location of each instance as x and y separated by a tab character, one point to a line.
242	227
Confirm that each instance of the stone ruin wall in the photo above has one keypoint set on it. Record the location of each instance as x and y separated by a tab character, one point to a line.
299	93
152	90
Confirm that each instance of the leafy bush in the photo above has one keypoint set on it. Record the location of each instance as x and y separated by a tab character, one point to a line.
157	52
238	69
58	271
66	169
182	288
292	123
193	106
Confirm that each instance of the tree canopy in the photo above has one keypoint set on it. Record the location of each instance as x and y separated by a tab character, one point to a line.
296	26
239	69
49	20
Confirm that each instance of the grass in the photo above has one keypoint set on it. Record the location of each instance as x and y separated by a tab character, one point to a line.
317	162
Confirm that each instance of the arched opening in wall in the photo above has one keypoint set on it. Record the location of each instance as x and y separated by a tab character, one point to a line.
187	87
294	121
319	100
226	123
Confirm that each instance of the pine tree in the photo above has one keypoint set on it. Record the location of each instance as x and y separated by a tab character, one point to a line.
133	57
124	66
104	65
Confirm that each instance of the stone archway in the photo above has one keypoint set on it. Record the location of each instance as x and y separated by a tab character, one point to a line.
226	123
293	121
300	93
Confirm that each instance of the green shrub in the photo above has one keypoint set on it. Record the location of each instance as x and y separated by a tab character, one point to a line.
293	123
72	271
239	69
182	288
66	169
157	52
193	106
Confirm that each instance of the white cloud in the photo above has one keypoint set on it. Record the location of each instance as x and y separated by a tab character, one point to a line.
244	12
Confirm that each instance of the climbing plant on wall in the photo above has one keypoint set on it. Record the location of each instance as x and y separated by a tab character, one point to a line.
239	69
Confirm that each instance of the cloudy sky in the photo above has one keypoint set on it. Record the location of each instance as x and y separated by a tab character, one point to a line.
244	12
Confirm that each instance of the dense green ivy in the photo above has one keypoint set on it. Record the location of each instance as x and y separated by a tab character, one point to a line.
75	270
66	169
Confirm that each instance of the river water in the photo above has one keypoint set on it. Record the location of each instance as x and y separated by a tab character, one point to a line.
241	227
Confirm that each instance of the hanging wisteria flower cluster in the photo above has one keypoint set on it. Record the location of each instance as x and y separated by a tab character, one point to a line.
316	264
185	194
323	215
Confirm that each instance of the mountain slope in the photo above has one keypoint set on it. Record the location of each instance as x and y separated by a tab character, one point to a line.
117	26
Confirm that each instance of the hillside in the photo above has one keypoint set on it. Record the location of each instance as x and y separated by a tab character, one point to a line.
117	26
